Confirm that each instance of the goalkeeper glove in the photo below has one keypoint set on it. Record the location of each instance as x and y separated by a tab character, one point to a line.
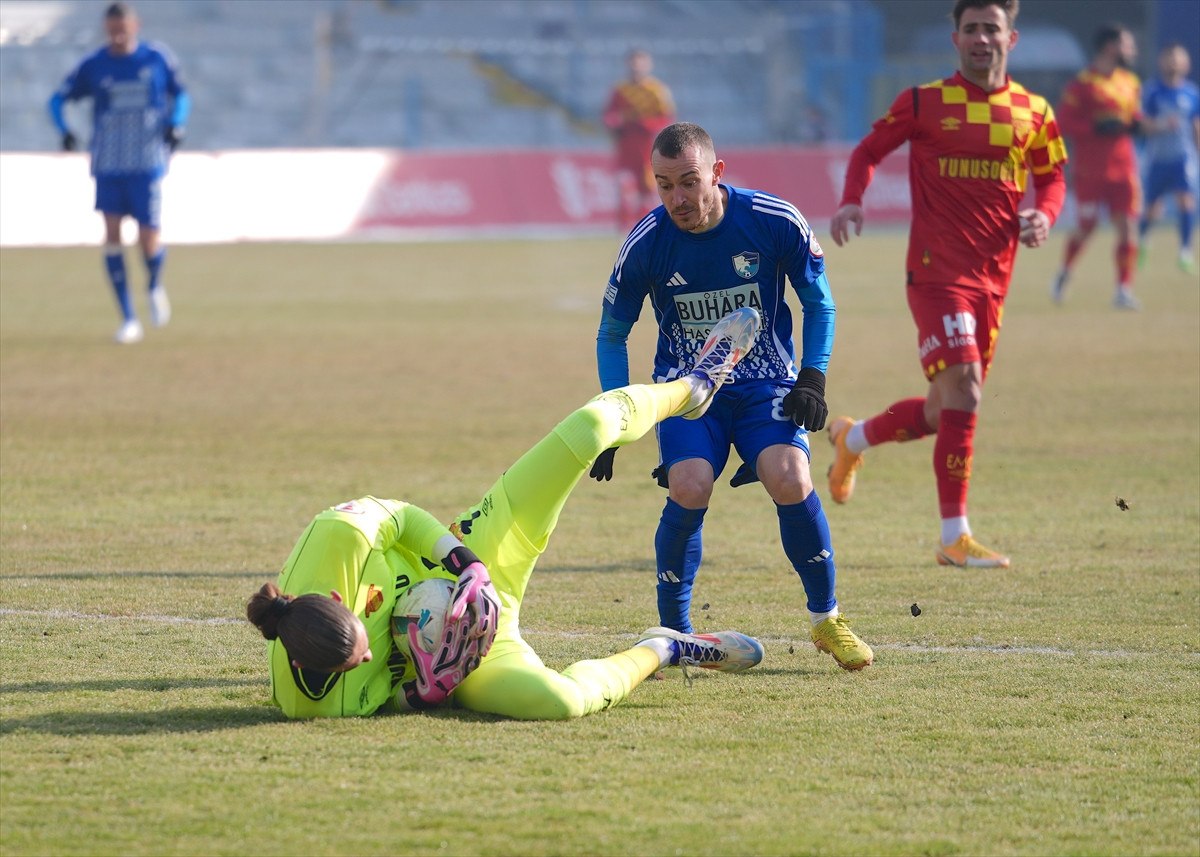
470	627
805	404
602	466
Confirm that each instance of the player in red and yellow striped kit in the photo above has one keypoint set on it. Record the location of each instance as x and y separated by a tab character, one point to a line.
976	140
637	110
1101	110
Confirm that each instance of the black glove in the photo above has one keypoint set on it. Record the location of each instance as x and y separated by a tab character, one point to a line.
1112	128
69	142
602	466
806	403
172	136
659	475
745	475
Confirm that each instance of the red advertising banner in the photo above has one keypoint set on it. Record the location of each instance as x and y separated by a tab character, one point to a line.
569	190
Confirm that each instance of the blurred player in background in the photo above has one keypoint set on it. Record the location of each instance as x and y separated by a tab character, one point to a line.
710	247
334	655
139	109
1171	121
975	141
638	108
1101	110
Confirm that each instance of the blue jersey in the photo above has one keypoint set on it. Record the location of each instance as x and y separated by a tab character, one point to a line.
134	99
693	279
1183	101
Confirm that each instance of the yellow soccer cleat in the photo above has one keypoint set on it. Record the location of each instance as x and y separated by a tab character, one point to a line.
968	553
845	463
835	637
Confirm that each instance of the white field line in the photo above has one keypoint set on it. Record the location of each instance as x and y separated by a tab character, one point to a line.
917	648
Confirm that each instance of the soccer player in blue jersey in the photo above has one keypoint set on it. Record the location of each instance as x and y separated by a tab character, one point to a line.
708	249
1171	122
139	110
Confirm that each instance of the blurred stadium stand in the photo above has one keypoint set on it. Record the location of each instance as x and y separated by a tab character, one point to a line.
470	74
462	73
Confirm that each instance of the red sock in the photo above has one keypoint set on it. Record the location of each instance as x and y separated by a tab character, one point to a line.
1126	260
904	420
952	453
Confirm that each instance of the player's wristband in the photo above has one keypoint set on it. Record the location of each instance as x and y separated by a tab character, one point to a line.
458	559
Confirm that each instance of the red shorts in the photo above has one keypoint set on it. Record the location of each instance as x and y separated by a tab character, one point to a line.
1123	196
955	325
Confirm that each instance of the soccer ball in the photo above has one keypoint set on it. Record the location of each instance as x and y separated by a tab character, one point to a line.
424	605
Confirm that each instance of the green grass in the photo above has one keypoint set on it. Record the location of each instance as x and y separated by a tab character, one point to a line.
146	491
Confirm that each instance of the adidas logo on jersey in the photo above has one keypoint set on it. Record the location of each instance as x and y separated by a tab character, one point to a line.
677	280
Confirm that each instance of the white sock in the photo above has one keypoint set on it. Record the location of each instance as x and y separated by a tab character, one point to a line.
856	438
954	528
818	618
664	648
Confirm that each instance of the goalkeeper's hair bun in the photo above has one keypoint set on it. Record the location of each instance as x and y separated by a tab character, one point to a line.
317	631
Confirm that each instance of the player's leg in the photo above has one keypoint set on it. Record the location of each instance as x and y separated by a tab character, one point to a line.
1185	202
1124	205
779	450
1088	213
110	202
955	397
515	683
1155	191
902	421
148	211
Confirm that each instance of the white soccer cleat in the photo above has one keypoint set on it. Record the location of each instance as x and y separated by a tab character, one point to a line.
722	651
731	339
1124	299
160	307
129	332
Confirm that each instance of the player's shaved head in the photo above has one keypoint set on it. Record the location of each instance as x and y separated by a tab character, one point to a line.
1010	8
674	140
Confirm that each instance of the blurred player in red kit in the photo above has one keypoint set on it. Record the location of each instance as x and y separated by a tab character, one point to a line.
976	140
638	108
1100	112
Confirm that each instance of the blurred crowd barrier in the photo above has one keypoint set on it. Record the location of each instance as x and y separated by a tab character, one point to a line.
386	194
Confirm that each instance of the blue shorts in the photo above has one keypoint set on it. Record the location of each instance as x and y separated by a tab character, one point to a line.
747	415
137	195
1170	176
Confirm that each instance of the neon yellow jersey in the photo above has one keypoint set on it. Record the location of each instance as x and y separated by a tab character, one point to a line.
368	550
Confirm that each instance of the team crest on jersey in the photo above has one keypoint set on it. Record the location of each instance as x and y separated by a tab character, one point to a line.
746	264
374	600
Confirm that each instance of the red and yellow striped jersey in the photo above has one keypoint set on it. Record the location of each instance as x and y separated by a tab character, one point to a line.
1092	98
971	154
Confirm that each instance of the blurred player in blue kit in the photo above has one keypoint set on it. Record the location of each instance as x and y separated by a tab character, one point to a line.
1171	122
139	110
708	249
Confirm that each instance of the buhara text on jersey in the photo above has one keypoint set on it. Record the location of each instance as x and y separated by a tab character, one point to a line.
700	311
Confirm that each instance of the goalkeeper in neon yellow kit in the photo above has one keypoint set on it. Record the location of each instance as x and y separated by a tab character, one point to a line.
329	617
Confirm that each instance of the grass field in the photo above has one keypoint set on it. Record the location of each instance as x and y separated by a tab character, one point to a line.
146	491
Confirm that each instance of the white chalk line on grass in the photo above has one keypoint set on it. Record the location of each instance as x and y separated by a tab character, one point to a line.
916	648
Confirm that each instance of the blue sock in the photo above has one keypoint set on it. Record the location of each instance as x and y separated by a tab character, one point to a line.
805	535
678	549
114	262
154	267
1187	219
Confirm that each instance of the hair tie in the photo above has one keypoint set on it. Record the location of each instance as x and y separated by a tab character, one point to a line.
280	603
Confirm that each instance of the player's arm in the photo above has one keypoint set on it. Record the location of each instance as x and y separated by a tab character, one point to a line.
886	135
1047	158
612	362
805	404
181	103
72	88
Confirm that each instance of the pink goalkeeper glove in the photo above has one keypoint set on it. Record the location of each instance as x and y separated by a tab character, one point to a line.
470	627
